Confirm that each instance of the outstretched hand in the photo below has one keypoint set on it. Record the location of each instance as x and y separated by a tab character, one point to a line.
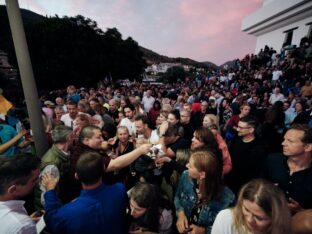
145	148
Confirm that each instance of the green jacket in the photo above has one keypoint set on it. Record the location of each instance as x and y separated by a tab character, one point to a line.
54	156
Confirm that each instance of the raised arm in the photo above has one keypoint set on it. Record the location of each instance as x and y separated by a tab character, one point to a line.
5	146
127	159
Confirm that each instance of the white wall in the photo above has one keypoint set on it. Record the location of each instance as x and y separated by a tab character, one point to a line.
273	8
265	2
276	38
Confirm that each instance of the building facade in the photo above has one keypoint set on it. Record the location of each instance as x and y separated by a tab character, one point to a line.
280	23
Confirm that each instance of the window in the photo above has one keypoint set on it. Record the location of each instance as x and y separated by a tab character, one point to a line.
288	36
309	34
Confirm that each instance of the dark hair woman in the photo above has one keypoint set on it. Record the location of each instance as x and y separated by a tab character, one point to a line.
273	128
204	139
148	212
154	112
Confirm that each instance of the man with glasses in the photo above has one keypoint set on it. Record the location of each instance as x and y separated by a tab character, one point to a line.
247	154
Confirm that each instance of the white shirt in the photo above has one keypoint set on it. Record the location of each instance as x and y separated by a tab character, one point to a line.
274	98
276	74
154	139
223	223
129	124
223	78
14	218
148	103
67	120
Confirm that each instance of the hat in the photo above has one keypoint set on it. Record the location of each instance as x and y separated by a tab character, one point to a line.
212	98
49	103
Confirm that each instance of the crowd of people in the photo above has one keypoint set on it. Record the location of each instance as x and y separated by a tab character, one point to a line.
227	152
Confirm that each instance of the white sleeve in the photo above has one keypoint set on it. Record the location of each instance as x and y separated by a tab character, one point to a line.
223	223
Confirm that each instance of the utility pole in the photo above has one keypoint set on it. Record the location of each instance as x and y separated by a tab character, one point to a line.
27	77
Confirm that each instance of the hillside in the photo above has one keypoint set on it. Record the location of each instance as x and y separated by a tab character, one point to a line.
35	23
152	57
27	15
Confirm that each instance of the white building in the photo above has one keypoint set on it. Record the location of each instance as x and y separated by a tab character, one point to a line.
161	67
280	22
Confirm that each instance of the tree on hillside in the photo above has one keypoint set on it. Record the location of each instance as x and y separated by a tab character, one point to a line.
173	74
73	50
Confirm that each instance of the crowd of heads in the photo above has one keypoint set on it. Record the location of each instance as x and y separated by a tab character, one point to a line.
196	124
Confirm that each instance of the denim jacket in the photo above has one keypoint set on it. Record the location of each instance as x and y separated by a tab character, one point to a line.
185	199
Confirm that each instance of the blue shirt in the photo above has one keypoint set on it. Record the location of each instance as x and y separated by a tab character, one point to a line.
101	210
73	97
7	132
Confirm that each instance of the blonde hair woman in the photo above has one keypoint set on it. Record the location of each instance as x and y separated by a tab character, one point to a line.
261	208
210	119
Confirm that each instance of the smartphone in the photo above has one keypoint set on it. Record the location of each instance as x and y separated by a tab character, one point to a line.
39	213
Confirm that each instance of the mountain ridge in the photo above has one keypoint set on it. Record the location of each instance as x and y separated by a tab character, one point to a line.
151	57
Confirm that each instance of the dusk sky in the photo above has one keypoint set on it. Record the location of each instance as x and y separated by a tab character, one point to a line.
203	30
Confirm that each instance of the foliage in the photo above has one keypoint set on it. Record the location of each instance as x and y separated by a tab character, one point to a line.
74	50
173	74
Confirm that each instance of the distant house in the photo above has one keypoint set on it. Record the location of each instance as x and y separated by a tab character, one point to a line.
280	23
161	67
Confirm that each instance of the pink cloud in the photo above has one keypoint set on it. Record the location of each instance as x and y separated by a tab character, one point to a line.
198	29
213	29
